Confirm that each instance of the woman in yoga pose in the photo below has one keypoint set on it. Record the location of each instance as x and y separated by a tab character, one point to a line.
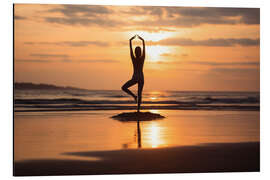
137	61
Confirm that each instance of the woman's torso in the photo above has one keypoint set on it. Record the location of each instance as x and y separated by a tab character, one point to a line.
138	68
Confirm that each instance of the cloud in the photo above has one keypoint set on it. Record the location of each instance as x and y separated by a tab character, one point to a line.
178	17
50	55
173	55
33	60
236	71
214	63
167	55
151	29
19	17
193	16
150	18
238	63
208	42
190	70
68	60
84	15
184	55
102	22
98	61
144	10
71	43
210	15
81	10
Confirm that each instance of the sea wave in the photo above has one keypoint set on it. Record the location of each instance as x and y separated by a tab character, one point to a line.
207	100
42	108
75	104
75	100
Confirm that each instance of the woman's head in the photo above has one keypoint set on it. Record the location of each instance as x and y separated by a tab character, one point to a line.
138	52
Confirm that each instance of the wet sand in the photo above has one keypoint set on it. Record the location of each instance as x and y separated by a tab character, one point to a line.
94	143
218	157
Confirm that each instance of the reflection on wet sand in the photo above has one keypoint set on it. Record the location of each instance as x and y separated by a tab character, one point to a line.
139	142
50	134
152	135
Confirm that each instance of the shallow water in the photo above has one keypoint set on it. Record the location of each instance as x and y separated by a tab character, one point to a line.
75	100
42	135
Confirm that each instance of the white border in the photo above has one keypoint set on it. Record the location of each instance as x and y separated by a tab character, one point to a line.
7	79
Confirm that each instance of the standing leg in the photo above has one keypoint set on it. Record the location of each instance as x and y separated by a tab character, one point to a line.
127	85
140	89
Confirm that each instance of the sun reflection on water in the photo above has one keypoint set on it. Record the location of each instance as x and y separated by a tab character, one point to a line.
153	135
154	111
153	98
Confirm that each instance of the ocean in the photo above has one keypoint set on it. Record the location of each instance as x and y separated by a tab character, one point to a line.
49	124
89	100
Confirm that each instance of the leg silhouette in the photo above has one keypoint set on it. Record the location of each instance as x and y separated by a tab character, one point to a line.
140	88
127	85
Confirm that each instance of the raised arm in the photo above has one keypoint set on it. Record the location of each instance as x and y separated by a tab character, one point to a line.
143	54
130	47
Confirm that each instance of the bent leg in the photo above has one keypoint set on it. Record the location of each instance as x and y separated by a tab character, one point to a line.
127	85
140	89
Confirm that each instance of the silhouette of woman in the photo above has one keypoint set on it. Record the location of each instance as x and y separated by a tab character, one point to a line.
137	61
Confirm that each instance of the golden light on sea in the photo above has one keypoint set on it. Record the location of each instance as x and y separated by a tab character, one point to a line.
154	111
153	135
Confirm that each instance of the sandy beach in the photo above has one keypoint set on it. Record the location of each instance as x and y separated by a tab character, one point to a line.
93	143
223	157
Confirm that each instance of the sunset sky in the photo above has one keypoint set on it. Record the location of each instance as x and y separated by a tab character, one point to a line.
187	48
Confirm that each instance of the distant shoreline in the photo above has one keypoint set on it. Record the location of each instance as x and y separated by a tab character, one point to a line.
45	86
33	86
